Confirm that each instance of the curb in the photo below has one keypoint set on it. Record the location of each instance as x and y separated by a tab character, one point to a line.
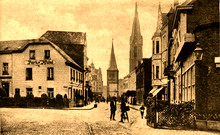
80	109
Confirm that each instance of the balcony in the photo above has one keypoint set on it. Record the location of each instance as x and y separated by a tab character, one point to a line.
186	46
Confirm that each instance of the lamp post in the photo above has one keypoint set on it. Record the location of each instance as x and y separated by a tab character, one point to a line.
198	52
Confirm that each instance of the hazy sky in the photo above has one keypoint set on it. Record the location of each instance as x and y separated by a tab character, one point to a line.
102	20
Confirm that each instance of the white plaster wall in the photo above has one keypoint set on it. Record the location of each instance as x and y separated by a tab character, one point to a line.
39	73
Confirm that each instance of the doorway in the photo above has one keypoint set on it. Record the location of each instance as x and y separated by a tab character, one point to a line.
6	87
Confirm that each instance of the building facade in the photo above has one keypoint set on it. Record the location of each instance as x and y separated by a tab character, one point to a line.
193	77
136	43
159	57
143	77
96	80
112	76
40	66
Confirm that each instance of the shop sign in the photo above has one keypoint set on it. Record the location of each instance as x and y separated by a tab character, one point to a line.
39	62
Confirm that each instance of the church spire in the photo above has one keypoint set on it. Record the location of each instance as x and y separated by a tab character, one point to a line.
136	26
159	19
112	63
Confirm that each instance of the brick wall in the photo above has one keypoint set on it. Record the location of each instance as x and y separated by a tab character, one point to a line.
208	37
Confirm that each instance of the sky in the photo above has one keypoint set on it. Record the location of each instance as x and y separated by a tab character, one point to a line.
102	20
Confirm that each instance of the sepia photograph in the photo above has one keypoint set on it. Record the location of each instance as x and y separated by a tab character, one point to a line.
109	67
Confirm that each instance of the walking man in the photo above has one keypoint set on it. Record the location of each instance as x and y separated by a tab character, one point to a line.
123	110
113	108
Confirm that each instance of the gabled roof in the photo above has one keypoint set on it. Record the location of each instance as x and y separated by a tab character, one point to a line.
17	45
66	37
112	63
14	46
72	43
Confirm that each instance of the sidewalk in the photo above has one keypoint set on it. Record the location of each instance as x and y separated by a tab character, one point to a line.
135	107
87	107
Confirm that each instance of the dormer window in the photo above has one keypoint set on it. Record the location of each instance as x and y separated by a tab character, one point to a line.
32	54
47	54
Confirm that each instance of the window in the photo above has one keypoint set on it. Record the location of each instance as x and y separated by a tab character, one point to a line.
153	73
17	91
74	75
46	54
157	47
135	51
50	92
50	73
157	72
153	47
77	76
71	74
28	73
29	91
32	54
5	69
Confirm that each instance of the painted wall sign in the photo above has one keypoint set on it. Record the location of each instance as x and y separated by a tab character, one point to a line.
39	62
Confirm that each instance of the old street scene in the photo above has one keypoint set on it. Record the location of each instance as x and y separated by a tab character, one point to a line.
110	67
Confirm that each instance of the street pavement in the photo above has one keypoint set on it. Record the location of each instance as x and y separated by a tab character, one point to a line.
87	121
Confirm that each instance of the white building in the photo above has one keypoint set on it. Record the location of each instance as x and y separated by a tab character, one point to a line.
39	66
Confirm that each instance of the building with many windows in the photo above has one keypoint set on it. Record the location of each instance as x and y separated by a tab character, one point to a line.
159	56
96	80
42	66
195	33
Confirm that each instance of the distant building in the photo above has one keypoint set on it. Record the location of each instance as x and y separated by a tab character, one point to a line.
112	76
136	43
96	80
143	77
53	64
104	94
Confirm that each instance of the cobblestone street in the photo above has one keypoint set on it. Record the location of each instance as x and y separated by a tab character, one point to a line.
95	121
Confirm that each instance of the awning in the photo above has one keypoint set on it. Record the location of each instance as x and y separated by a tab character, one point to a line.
155	91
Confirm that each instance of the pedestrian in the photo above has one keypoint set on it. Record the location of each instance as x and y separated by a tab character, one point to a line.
123	110
113	108
142	111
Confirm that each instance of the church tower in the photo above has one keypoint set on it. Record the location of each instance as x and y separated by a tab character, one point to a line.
136	43
112	75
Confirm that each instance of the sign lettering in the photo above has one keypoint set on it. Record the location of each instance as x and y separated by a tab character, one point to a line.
39	62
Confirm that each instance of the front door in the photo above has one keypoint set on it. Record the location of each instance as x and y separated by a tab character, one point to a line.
5	86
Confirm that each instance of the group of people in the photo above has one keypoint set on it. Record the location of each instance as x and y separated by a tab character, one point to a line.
124	109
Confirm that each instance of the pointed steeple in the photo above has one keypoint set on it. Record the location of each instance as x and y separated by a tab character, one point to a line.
159	19
136	26
176	3
112	63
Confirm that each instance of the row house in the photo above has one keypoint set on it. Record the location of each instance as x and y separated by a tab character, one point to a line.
192	65
42	66
143	77
195	39
159	58
96	80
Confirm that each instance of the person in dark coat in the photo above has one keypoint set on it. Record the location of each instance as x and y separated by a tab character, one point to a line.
123	110
113	108
142	111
